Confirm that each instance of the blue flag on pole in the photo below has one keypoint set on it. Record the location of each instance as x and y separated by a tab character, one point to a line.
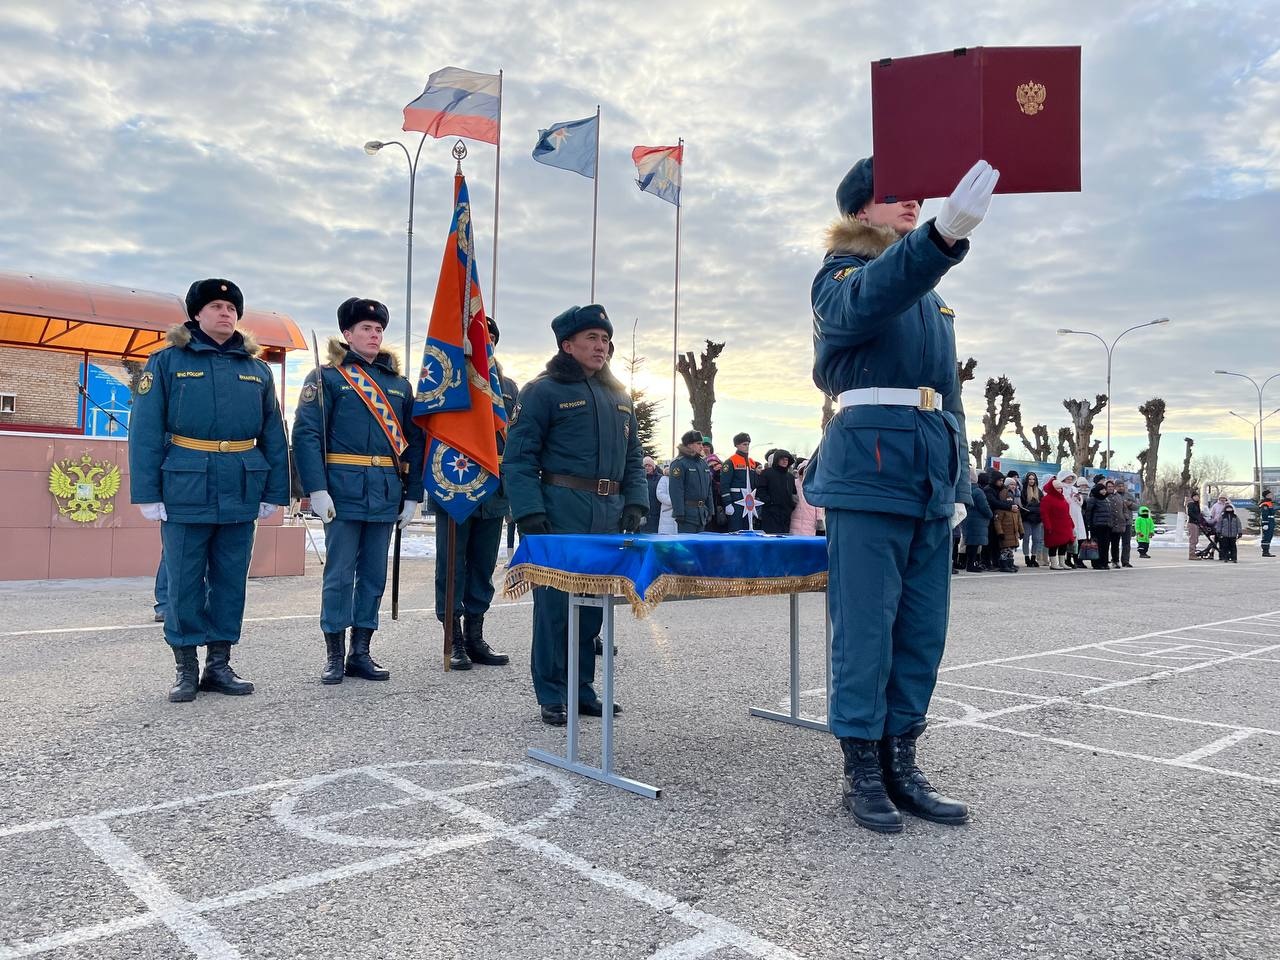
569	146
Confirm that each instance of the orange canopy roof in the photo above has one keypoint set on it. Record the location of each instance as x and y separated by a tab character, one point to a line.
113	321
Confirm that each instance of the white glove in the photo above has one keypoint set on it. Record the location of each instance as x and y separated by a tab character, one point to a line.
266	509
322	505
407	514
957	518
153	511
968	203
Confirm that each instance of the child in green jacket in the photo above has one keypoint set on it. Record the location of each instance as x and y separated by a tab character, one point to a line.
1144	527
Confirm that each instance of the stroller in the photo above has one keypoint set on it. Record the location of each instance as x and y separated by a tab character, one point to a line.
1211	542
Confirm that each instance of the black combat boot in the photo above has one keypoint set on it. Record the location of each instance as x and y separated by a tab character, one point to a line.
188	679
908	786
476	648
863	787
334	648
359	663
218	676
459	660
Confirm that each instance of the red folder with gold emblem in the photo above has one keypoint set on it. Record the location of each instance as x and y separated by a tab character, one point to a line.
934	116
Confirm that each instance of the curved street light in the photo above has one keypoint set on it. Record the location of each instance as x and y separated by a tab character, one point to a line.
371	147
1109	347
1260	388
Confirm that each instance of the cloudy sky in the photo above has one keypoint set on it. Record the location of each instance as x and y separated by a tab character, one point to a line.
151	143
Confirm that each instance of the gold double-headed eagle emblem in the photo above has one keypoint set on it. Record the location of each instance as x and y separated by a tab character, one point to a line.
83	489
1031	97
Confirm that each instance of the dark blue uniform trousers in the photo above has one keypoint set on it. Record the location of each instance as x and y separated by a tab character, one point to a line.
162	586
889	594
207	567
549	661
475	553
355	573
1268	531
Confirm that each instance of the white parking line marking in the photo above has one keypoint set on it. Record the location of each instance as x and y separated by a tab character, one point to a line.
1092	748
170	909
1189	720
970	686
1209	749
1055	673
1250	632
701	945
1084	656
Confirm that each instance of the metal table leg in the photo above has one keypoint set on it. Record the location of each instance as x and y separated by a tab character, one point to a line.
603	773
793	717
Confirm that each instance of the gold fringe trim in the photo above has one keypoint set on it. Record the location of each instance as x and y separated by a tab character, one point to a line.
523	577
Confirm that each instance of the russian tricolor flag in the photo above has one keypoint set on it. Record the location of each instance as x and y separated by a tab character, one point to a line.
457	103
658	171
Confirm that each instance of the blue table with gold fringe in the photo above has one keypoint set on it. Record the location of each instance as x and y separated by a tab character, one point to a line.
644	570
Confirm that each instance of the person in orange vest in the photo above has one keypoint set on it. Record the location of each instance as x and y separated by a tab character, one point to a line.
738	474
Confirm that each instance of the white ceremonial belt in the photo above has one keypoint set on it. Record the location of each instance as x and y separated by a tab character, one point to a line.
922	398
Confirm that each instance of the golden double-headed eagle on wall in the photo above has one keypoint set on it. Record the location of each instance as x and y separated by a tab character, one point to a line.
83	489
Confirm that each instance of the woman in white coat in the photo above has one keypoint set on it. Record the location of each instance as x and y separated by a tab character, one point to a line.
666	523
1075	498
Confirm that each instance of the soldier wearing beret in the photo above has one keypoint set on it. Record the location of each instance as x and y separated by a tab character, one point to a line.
737	477
573	464
689	485
891	473
475	553
207	458
359	455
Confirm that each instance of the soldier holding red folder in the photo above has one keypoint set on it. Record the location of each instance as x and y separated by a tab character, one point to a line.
891	472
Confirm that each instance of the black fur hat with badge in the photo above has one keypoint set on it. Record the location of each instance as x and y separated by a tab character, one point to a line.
204	292
355	310
576	319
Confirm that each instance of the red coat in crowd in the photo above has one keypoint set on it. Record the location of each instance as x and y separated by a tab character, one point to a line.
1059	528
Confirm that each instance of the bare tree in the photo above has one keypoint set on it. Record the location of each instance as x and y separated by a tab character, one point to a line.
975	451
1066	447
1185	478
828	410
964	371
1083	447
1001	410
1042	448
1153	413
700	379
1212	471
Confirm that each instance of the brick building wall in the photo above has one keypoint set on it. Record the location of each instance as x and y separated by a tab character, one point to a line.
43	383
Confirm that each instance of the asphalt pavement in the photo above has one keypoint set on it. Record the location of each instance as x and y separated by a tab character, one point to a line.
1117	734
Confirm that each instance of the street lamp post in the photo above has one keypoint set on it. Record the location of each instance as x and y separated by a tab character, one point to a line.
1063	331
372	147
1260	388
1253	434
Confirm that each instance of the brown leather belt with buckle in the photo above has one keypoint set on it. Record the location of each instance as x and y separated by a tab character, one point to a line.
601	488
358	460
212	446
695	503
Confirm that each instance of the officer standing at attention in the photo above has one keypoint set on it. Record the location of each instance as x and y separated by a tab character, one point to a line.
573	464
475	556
690	485
737	476
359	454
891	472
207	457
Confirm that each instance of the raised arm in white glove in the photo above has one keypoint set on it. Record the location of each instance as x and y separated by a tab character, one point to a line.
322	505
153	511
266	509
957	518
407	513
968	203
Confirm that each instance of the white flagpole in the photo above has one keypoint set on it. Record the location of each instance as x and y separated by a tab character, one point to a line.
595	207
675	333
497	188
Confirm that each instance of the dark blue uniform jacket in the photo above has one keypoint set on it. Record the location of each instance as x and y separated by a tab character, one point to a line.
878	323
195	389
569	423
369	494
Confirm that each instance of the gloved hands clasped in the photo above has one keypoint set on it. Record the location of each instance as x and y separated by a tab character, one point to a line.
957	518
534	524
964	209
153	511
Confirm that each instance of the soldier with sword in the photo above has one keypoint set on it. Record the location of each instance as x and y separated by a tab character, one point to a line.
359	455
